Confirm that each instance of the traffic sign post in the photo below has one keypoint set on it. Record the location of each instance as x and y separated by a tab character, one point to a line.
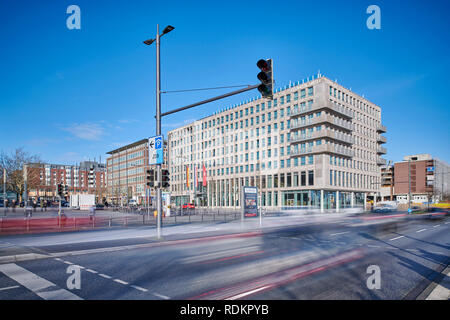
155	150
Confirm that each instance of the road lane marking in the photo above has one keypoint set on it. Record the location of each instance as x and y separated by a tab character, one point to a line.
8	288
91	271
139	288
160	296
104	276
121	281
421	230
68	262
339	233
43	288
238	296
396	238
436	226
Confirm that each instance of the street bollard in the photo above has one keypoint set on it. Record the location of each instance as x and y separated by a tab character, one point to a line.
110	222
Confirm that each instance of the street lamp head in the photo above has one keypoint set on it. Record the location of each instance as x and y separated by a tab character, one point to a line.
167	29
149	42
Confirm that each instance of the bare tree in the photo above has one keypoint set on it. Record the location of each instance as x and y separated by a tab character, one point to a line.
14	165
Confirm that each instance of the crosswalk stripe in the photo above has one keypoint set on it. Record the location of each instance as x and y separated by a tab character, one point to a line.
43	288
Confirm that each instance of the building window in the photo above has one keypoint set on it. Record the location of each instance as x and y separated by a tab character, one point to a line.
303	178
311	178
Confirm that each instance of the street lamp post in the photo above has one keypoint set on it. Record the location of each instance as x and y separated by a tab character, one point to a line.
158	118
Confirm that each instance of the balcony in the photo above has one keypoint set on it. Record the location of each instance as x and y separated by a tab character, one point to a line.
381	139
323	118
324	148
346	138
381	150
339	110
381	161
381	128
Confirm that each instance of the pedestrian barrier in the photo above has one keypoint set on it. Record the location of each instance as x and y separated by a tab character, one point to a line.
36	224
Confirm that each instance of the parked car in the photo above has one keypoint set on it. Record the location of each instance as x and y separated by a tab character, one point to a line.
188	206
383	208
99	206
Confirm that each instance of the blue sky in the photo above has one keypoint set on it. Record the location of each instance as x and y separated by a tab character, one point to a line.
71	95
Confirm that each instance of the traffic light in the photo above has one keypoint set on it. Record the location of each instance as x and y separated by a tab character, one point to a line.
60	189
266	78
66	190
151	178
165	178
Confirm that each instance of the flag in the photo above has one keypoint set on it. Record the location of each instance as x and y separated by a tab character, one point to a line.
187	176
204	175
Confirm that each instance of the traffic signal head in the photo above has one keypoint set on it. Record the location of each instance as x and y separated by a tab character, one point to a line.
165	178
66	190
60	190
151	178
266	78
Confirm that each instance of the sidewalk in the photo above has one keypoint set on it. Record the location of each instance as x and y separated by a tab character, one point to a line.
440	288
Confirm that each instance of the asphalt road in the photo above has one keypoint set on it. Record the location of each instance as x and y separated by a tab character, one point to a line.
286	258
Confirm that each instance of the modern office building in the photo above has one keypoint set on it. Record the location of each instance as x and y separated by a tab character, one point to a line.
127	173
315	144
86	177
421	179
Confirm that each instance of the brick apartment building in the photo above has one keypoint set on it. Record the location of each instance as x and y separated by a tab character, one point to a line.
87	177
422	178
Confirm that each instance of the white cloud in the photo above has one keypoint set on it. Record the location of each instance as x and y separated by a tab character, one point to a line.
86	131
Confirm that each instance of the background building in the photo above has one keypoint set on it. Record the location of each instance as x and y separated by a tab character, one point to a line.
387	183
421	179
315	144
87	177
127	173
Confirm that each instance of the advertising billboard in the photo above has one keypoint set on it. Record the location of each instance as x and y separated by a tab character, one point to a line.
250	202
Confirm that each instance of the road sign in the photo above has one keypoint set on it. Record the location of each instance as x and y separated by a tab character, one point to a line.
155	150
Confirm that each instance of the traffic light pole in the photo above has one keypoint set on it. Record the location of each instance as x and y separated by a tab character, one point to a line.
158	133
158	182
210	100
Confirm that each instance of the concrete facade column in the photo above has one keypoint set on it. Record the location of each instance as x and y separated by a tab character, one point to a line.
337	201
352	199
365	201
321	201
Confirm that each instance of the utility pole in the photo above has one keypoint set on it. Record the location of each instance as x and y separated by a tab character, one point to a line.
265	88
409	184
158	132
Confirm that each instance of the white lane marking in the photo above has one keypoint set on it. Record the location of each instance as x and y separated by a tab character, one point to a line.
396	238
43	288
160	296
339	233
120	281
436	226
139	288
67	262
247	293
104	276
91	271
421	230
58	259
8	288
